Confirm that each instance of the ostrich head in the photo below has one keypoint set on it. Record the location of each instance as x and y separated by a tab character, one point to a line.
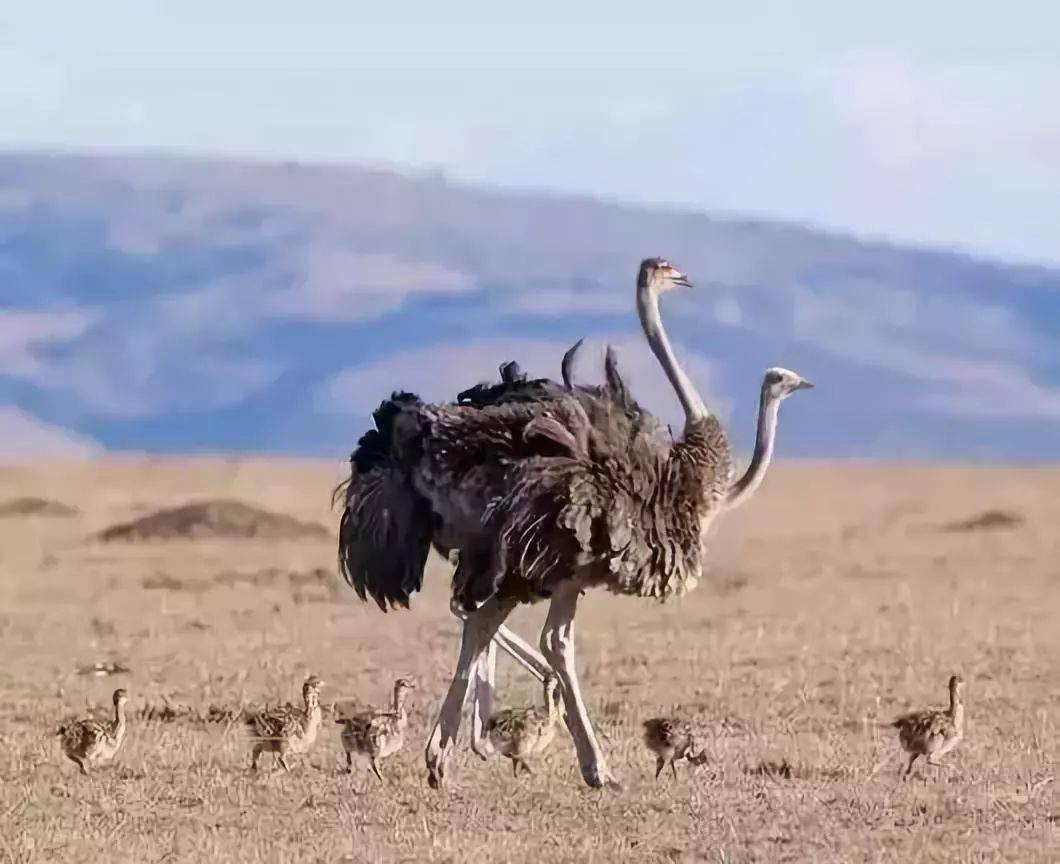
311	690
403	685
956	683
120	698
779	383
660	276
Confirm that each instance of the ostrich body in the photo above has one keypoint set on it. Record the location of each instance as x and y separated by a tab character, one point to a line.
543	497
287	730
933	733
87	742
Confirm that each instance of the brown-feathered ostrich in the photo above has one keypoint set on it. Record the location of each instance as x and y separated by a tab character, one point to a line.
543	498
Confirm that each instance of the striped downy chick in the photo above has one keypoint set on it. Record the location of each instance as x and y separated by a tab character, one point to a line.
671	739
523	733
377	734
89	741
287	730
933	733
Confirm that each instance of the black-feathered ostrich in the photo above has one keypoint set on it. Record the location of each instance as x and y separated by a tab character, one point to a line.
543	496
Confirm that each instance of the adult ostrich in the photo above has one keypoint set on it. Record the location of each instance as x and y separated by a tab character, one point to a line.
543	499
625	512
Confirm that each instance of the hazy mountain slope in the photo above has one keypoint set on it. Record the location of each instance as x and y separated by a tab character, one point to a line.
174	305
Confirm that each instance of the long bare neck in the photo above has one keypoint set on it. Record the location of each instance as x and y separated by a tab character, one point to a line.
956	708
765	437
400	695
651	322
119	715
312	710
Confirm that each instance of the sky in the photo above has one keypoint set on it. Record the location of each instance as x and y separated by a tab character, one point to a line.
928	123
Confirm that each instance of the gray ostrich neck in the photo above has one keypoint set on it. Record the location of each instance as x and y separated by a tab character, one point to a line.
651	321
765	437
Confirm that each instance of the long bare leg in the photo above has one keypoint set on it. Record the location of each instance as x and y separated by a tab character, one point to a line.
519	649
522	652
482	700
557	643
909	769
479	628
486	673
485	688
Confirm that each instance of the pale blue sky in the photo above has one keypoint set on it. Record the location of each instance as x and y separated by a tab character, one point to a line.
932	122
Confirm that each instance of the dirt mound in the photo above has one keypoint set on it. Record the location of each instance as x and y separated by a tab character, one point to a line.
988	520
309	586
35	507
218	518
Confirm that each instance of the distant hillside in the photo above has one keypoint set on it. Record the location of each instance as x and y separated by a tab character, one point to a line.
166	304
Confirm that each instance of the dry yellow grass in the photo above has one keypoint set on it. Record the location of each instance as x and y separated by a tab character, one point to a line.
835	601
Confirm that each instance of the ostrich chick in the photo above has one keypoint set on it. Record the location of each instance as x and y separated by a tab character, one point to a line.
87	742
285	730
522	733
671	739
933	733
377	734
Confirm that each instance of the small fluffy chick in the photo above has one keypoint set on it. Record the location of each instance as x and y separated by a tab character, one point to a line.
523	733
88	741
286	730
377	734
671	739
933	733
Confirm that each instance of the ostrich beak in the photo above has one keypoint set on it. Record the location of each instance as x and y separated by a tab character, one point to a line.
804	385
680	280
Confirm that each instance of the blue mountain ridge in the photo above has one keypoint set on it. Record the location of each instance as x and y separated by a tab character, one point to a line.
169	304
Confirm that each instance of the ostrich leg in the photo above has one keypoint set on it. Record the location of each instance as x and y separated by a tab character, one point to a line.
485	676
522	652
482	700
516	647
557	643
479	628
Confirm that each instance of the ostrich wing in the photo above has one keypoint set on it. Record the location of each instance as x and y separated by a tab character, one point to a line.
385	530
384	536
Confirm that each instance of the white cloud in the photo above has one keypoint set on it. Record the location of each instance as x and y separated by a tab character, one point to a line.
24	437
23	333
438	372
556	302
333	283
992	391
967	351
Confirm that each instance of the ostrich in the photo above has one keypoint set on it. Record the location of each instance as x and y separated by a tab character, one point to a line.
934	732
543	499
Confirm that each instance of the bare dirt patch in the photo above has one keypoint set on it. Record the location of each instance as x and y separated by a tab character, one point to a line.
214	519
788	663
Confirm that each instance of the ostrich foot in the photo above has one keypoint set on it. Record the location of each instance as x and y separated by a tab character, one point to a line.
597	777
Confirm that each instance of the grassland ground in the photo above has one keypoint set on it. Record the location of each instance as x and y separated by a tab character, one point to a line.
843	595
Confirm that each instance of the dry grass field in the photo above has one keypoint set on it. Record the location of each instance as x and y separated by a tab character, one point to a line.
843	595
